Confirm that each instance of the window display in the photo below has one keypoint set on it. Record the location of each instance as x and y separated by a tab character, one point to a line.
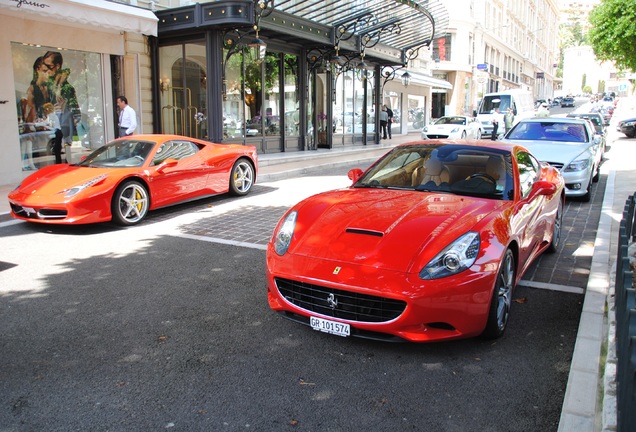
57	92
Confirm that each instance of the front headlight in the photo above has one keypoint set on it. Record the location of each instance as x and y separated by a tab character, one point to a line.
77	189
455	258
629	123
455	130
283	236
577	165
425	129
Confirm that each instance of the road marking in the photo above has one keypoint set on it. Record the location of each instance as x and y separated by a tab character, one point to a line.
223	241
9	223
552	287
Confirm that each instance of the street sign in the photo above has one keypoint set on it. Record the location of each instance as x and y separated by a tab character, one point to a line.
482	66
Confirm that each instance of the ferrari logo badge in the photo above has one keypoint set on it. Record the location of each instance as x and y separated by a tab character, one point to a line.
336	270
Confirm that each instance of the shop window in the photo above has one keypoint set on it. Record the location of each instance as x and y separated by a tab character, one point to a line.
183	84
61	81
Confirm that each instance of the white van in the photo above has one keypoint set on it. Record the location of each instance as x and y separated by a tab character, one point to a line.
495	105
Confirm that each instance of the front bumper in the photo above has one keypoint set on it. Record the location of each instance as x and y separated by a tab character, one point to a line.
447	308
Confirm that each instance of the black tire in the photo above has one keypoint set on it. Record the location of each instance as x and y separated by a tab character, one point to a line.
241	177
556	230
588	193
499	311
130	203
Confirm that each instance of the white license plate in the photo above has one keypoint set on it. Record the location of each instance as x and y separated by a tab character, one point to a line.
332	327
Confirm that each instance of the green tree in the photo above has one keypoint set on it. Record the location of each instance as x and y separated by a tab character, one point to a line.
613	33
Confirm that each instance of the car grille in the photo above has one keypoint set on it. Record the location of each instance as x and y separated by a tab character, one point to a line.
40	214
341	304
436	136
557	165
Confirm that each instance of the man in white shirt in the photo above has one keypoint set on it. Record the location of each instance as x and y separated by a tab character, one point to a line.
127	117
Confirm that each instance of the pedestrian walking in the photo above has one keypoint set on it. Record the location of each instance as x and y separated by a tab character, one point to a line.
384	118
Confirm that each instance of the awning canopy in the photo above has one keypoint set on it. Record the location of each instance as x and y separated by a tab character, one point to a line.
95	13
381	28
401	24
418	78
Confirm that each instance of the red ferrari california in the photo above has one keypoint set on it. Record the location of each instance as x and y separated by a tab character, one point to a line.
426	245
126	178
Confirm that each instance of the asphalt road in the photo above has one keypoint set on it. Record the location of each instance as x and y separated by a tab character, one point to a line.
166	326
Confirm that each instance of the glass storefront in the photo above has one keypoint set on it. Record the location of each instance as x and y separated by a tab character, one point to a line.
183	85
60	103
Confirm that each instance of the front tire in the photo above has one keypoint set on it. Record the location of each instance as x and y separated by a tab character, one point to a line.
241	177
130	203
501	301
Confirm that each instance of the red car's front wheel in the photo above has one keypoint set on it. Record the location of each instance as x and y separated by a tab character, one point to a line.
130	203
501	302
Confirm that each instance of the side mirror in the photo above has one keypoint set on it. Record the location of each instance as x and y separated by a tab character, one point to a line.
354	174
543	187
168	163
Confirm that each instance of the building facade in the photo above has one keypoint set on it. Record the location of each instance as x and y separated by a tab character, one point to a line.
290	77
496	45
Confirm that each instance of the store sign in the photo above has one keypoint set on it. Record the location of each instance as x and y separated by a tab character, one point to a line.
19	3
540	75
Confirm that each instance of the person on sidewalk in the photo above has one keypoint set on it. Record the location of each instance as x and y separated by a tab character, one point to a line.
384	118
389	124
127	117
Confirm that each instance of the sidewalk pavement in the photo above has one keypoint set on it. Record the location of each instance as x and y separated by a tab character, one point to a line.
590	399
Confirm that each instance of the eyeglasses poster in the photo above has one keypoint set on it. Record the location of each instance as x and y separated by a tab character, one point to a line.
59	103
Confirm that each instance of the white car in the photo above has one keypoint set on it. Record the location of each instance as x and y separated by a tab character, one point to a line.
568	144
453	127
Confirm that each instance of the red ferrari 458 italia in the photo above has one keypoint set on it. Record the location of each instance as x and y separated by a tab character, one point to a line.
126	178
426	245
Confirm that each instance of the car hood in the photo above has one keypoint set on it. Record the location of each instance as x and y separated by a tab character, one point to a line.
50	181
551	151
444	128
391	229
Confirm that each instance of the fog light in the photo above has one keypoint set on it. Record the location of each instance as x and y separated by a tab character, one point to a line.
573	186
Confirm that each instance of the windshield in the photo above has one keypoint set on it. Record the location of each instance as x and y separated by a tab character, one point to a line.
549	131
446	168
121	153
451	121
495	103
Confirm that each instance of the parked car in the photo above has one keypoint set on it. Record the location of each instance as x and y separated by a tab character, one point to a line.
39	135
627	127
454	127
426	245
568	144
126	178
567	102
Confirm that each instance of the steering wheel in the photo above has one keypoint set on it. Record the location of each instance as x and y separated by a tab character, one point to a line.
483	175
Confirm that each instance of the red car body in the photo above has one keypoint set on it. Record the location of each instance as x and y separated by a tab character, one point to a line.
357	261
114	183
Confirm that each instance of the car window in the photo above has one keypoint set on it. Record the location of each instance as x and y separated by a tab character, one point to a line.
174	150
120	153
529	170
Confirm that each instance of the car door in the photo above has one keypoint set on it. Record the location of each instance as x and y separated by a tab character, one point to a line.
528	224
187	179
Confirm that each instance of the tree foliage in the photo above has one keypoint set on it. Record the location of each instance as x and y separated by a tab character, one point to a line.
613	33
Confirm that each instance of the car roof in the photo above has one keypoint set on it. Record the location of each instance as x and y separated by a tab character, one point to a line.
572	120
